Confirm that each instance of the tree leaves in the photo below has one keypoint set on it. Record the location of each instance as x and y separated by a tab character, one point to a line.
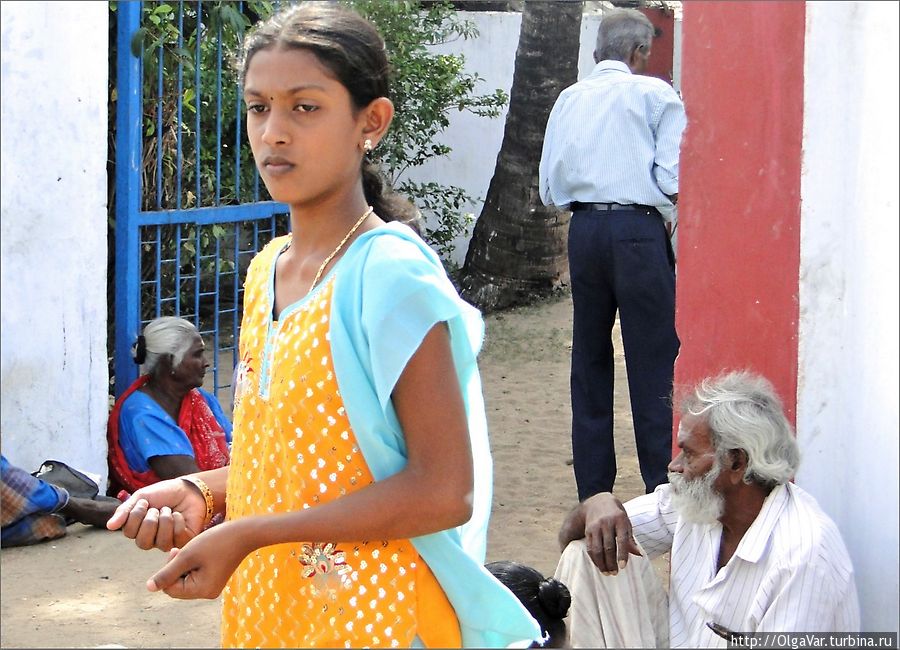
426	87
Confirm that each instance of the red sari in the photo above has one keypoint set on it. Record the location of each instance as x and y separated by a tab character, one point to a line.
194	418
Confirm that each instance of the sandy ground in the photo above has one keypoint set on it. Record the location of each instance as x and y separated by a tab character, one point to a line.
87	589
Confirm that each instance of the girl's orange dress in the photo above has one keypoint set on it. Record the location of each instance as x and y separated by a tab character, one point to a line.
294	448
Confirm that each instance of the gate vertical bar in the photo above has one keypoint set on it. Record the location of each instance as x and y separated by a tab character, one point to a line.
128	193
141	276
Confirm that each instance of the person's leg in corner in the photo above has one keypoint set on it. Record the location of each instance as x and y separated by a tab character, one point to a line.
37	511
628	610
29	508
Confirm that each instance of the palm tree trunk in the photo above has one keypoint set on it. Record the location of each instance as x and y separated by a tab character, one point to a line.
518	247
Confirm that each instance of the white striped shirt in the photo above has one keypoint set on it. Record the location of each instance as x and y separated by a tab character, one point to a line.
790	572
613	137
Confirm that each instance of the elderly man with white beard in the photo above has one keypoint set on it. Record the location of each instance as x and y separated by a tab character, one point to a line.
750	551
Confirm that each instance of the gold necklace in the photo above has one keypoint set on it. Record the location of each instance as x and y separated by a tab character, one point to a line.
369	210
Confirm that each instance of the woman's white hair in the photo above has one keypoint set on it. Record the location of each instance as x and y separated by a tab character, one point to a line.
743	411
167	335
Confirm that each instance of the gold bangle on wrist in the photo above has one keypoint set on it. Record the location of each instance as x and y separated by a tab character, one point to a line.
201	485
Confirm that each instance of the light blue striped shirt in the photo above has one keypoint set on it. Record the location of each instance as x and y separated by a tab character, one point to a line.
613	137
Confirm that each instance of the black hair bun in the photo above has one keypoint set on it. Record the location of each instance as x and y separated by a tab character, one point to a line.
554	597
139	351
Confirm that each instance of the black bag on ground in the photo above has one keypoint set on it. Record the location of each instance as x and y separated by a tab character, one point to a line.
61	475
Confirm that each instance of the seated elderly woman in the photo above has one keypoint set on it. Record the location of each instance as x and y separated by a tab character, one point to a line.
164	425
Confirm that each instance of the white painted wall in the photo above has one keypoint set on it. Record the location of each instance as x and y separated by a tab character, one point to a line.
476	140
53	370
847	411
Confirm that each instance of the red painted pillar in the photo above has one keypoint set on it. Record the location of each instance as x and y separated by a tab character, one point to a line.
662	53
737	303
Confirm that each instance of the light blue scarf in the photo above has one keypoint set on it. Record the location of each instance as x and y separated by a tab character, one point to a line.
390	291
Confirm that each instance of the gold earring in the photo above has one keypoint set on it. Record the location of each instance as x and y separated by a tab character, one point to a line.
367	146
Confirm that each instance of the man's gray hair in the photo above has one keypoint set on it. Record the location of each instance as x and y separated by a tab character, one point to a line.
167	335
743	411
622	30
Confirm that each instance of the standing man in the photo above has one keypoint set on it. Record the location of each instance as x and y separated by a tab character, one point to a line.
611	155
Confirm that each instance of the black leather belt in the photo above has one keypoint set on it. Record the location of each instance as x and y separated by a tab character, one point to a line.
577	205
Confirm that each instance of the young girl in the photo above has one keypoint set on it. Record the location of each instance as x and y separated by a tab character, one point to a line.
359	487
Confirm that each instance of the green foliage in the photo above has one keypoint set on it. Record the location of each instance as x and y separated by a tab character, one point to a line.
182	151
426	88
210	121
446	201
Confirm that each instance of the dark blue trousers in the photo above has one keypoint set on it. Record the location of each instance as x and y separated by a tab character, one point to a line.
621	261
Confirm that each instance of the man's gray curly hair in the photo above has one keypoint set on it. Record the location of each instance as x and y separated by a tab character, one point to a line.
743	411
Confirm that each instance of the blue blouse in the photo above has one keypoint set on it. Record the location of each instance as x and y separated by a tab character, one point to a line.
146	430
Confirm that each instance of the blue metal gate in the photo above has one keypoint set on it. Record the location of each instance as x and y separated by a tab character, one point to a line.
185	227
